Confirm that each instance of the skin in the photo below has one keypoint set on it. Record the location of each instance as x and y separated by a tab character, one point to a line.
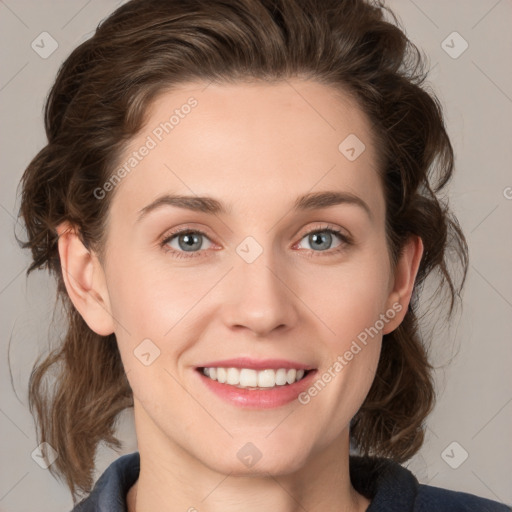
255	147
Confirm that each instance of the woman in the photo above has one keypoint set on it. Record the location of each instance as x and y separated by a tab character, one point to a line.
239	202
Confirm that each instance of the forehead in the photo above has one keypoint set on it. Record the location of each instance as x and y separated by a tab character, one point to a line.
252	145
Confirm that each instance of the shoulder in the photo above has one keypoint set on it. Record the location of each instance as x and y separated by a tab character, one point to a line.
431	498
109	492
392	487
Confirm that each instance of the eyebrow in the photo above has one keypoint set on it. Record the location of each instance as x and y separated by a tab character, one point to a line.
209	205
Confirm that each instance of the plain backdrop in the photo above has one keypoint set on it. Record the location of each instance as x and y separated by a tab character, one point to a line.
468	446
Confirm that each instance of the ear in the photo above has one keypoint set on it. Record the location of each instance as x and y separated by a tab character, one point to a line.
402	282
84	280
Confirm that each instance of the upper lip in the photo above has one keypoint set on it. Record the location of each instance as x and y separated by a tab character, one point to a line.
256	364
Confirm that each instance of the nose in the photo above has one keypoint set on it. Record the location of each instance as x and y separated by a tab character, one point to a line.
259	297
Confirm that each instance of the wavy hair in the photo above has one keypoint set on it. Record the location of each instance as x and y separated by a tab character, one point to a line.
98	104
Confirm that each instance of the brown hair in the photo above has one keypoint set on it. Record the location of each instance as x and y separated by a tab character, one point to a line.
98	103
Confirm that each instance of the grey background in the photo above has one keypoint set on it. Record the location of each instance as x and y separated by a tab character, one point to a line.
474	407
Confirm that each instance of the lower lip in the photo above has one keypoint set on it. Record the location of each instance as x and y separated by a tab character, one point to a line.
256	398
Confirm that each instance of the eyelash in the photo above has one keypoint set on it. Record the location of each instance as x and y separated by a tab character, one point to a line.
345	241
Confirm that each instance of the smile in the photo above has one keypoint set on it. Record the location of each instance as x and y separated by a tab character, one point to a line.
249	378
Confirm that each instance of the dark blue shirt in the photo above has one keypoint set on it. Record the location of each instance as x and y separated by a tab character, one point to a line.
389	486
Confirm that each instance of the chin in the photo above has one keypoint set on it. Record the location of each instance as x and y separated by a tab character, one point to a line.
255	459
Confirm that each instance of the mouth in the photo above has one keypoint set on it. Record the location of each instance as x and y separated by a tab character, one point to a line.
256	384
252	379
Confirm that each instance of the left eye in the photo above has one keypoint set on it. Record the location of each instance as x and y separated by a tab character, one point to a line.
322	239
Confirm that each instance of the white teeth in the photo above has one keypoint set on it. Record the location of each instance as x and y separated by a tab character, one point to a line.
267	379
221	375
290	376
233	376
281	377
250	378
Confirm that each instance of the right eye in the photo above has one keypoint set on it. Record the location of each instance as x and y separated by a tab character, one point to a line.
184	241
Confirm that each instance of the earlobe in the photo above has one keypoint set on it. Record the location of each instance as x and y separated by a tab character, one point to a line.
84	280
403	281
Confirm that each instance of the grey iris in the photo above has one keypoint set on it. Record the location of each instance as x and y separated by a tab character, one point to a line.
191	241
315	237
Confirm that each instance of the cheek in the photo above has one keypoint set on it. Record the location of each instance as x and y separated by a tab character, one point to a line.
352	296
158	310
148	298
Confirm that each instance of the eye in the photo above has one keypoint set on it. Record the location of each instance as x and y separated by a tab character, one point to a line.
321	240
186	243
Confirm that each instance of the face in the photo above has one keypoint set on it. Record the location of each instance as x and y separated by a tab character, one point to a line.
260	276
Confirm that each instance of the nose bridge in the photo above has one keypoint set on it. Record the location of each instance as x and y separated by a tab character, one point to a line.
259	296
